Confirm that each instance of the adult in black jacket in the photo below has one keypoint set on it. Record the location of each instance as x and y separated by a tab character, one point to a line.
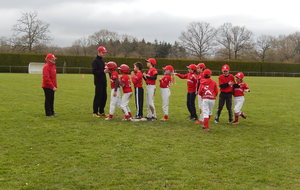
98	66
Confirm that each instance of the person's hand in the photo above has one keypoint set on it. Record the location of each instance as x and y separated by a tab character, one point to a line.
231	83
115	94
247	90
132	73
54	89
144	74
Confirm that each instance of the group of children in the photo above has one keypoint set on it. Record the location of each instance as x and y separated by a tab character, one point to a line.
199	83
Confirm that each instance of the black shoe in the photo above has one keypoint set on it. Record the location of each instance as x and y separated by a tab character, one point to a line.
137	117
216	121
154	118
193	118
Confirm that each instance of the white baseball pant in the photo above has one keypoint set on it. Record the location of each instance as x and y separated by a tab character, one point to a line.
150	101
200	107
238	104
165	95
114	101
207	105
125	101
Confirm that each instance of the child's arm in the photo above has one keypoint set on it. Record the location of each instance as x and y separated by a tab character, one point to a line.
182	76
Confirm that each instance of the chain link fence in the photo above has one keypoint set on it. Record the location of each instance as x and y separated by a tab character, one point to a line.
88	70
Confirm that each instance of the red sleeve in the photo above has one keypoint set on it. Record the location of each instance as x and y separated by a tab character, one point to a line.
134	79
46	77
182	76
221	81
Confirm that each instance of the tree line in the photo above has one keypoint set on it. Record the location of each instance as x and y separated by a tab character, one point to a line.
198	40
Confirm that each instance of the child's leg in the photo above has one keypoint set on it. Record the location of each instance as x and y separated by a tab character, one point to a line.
206	111
124	103
148	99
200	108
165	94
141	101
151	91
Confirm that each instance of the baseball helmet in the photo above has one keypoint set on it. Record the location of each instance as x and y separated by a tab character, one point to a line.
111	65
102	49
225	68
240	75
207	72
192	66
50	56
151	60
168	67
201	65
124	68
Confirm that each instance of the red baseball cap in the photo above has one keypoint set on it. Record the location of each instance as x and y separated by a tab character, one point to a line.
151	60
201	65
50	56
225	68
168	67
207	72
102	49
240	75
192	66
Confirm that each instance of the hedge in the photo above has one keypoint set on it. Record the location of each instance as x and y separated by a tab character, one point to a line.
9	59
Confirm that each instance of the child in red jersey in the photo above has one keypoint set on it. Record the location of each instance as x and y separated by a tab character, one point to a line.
226	82
208	92
137	80
238	92
150	78
200	68
165	82
127	91
191	86
111	68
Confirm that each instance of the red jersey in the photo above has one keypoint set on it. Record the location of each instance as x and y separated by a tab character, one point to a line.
49	76
226	79
199	77
114	75
165	81
191	81
208	89
137	80
125	83
151	73
240	90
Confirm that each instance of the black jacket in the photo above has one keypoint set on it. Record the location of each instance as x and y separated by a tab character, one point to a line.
98	71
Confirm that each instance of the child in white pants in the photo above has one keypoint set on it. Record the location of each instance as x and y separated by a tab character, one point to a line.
200	68
111	68
127	91
165	82
238	92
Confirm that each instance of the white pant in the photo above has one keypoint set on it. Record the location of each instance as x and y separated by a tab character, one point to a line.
165	95
238	104
125	101
150	101
207	105
114	101
200	107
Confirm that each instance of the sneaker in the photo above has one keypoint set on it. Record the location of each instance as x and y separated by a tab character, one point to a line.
193	118
95	115
153	118
243	115
110	117
137	117
206	129
102	115
216	121
198	122
235	123
163	119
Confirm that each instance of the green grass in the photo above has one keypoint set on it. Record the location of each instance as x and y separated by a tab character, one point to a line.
76	151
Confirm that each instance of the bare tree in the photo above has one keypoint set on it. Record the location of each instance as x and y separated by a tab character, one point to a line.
102	37
263	44
198	38
234	39
30	31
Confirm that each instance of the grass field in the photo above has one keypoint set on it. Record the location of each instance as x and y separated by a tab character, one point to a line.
77	151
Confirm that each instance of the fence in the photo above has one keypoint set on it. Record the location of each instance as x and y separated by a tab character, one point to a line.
87	70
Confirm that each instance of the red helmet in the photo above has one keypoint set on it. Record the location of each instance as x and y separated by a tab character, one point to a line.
102	49
168	67
192	66
151	60
207	72
240	75
124	69
225	68
50	56
201	65
111	66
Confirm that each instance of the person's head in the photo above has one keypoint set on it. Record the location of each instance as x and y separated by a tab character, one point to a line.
225	70
151	62
192	68
137	66
124	69
101	51
168	69
239	77
207	73
51	58
111	66
200	67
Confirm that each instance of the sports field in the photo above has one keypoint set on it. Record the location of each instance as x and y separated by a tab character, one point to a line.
76	151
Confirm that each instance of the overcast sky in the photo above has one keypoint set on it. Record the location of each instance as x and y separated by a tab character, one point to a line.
163	20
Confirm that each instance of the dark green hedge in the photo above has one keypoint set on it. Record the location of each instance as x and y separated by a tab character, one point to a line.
7	59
